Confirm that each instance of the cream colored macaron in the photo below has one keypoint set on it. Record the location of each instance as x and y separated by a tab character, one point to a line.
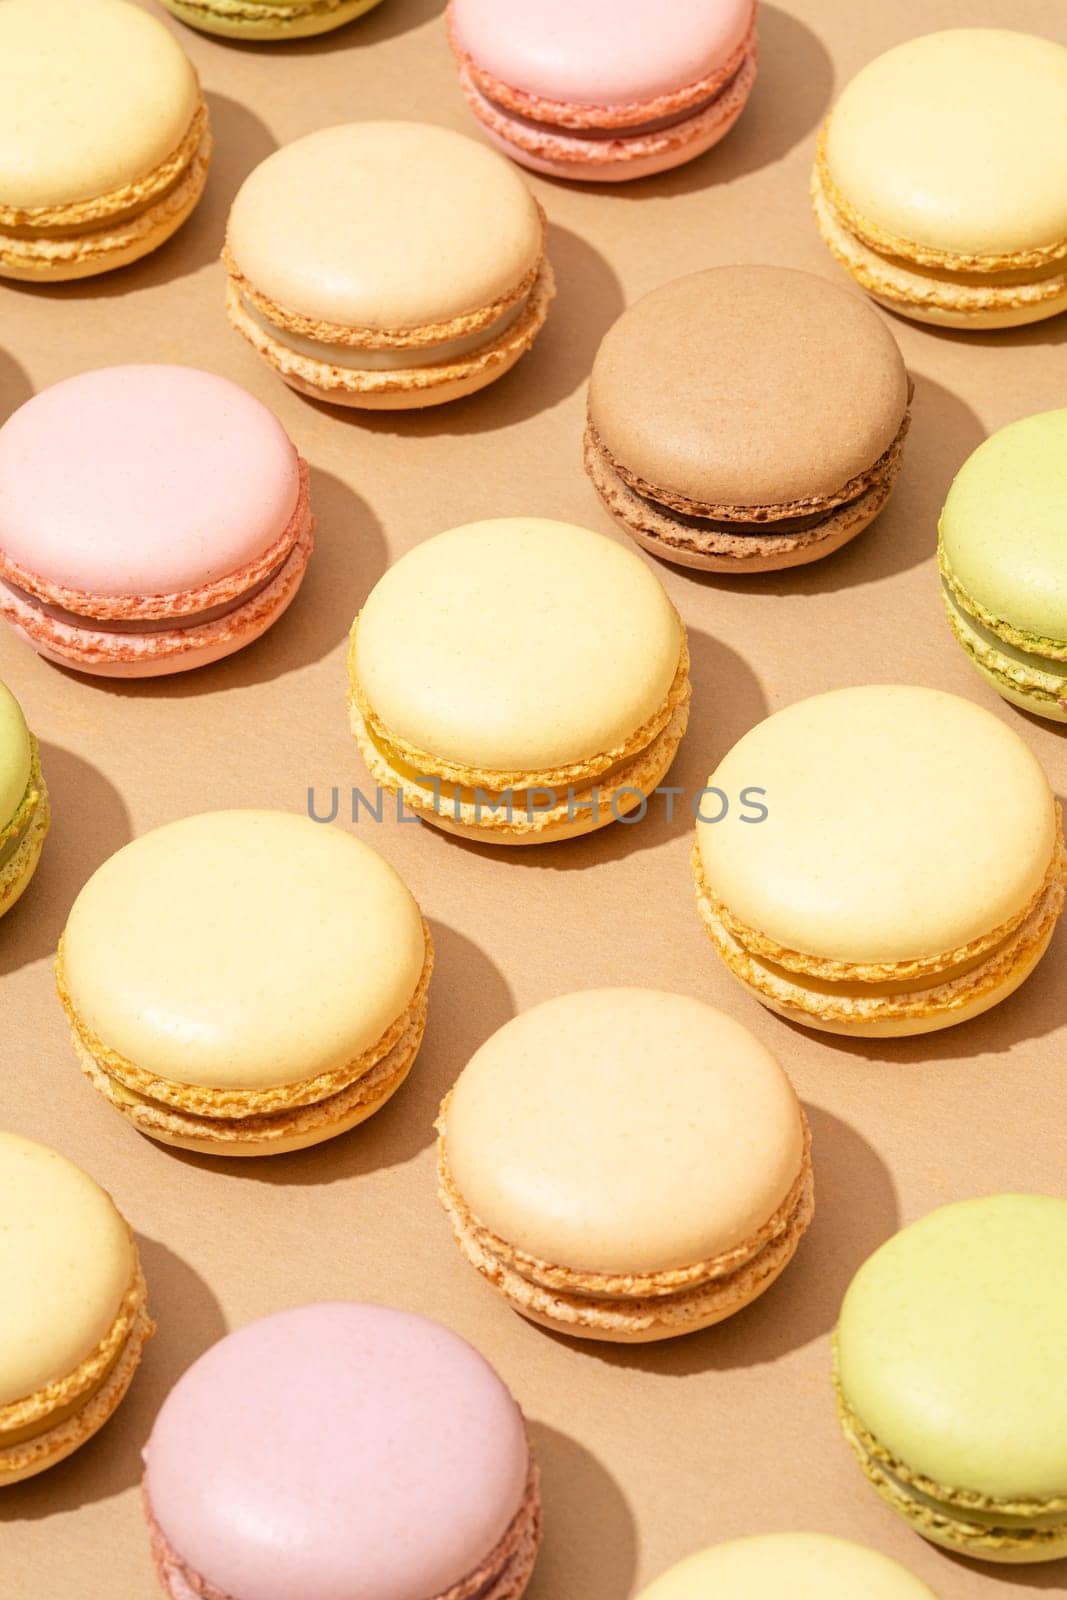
909	871
519	681
245	982
387	265
104	138
941	178
625	1164
73	1308
788	1566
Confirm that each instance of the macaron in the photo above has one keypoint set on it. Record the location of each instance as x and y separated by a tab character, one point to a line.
745	419
908	871
804	1566
625	1164
104	137
949	1376
266	20
24	810
519	681
1003	562
940	183
73	1315
387	265
586	89
350	1450
152	519
243	983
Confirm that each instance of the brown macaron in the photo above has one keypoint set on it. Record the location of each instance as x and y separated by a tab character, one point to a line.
746	419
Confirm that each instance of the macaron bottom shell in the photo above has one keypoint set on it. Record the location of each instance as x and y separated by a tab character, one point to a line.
268	21
1031	681
17	871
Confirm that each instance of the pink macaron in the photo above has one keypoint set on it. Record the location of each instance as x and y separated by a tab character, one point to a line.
593	90
341	1450
152	519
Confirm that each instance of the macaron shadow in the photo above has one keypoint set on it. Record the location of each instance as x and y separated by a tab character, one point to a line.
242	141
15	386
89	823
349	557
728	698
792	93
385	22
469	999
591	1543
589	299
189	1320
944	432
803	1304
1048	1575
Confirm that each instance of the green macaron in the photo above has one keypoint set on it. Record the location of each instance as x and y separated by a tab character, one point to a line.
949	1367
24	814
1003	558
267	20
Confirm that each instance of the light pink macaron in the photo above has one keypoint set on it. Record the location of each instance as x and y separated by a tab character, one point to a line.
595	90
341	1450
152	519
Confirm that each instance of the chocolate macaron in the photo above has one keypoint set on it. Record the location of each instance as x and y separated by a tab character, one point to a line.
746	418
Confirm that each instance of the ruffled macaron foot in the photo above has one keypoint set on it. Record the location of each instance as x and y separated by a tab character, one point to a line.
22	841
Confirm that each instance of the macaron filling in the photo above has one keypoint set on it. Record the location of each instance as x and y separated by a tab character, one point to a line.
1015	670
830	991
631	1305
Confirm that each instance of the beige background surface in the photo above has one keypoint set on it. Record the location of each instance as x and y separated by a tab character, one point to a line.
646	1455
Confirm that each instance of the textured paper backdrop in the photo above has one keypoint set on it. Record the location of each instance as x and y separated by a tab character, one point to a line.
650	1454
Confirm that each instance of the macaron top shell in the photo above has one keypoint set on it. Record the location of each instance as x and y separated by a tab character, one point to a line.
804	1566
517	644
15	755
351	1449
595	51
748	386
623	1130
958	141
951	1346
143	480
388	226
242	950
903	823
66	1262
1004	525
93	95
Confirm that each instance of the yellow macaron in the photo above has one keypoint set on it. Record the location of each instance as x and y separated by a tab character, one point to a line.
73	1311
941	178
104	137
245	983
519	681
908	872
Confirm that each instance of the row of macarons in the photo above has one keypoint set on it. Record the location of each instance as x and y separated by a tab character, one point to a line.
739	419
939	182
332	1428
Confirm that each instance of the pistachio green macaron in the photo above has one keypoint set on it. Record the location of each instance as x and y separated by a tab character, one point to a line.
1003	558
267	20
24	813
949	1367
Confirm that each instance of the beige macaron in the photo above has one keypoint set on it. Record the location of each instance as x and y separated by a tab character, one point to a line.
519	681
387	265
908	872
625	1164
245	983
73	1308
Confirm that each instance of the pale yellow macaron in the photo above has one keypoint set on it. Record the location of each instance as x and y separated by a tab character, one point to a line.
941	178
245	982
625	1164
519	681
909	871
387	265
73	1308
104	137
788	1566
